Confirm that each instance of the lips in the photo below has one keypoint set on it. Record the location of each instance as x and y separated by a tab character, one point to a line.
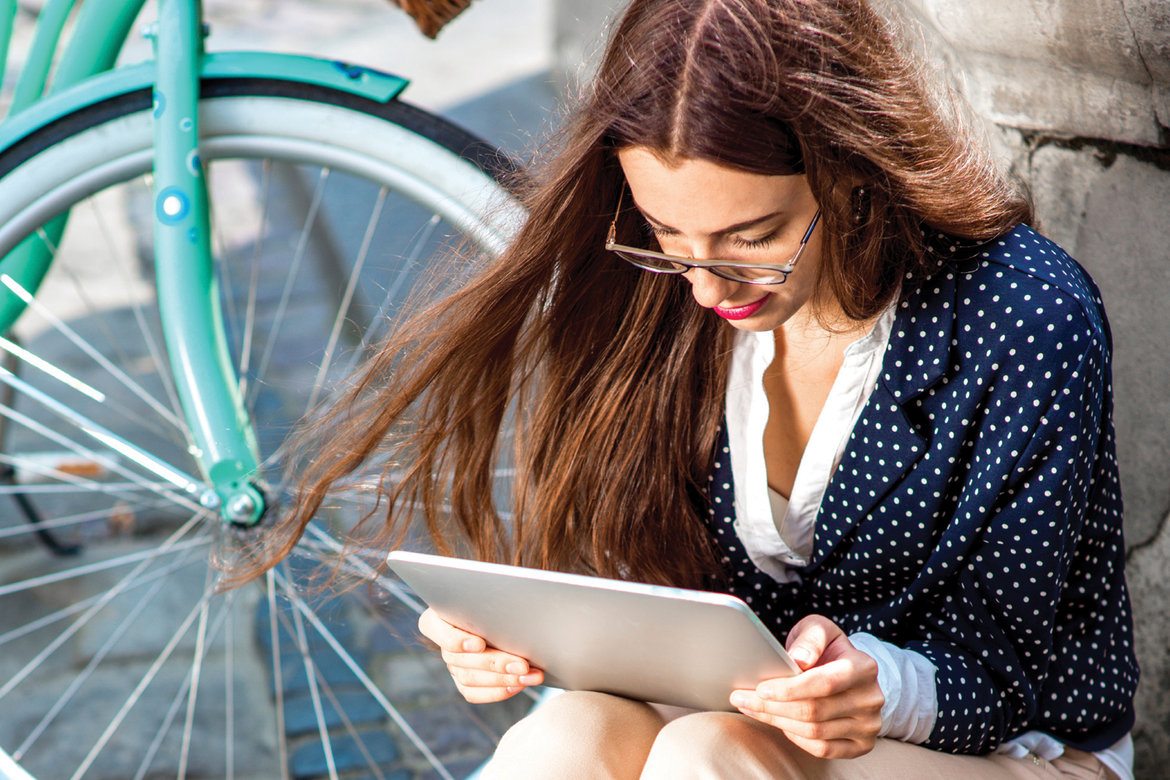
741	312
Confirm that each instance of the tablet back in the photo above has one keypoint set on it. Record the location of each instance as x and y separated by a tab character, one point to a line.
667	645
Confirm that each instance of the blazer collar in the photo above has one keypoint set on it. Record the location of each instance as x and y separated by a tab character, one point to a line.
889	438
919	351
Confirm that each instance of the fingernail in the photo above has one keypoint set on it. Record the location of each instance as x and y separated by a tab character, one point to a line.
802	656
512	688
740	699
765	693
471	646
516	668
530	679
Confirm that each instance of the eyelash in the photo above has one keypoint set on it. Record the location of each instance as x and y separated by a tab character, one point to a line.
756	243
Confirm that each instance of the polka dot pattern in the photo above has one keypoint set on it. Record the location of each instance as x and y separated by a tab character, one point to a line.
976	515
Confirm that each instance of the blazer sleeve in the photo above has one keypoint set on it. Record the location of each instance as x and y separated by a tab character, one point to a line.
989	627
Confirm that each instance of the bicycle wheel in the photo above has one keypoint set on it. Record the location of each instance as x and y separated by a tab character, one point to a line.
118	658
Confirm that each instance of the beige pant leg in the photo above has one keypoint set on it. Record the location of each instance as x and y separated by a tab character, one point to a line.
729	746
577	734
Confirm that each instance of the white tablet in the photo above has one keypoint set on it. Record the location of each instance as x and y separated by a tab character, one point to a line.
667	645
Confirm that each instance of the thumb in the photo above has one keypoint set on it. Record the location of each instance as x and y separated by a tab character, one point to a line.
808	640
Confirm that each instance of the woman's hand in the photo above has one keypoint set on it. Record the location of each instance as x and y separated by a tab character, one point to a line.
832	709
481	674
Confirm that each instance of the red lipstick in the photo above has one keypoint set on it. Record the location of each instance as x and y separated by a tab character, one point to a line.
741	312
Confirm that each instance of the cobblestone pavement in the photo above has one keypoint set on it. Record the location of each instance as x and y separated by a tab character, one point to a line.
487	72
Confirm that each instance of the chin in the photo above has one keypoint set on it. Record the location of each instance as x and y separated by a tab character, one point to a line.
754	324
762	322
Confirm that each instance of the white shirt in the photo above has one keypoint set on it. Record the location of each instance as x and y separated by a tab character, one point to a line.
777	533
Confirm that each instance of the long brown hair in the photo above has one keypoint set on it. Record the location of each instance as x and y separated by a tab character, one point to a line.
610	380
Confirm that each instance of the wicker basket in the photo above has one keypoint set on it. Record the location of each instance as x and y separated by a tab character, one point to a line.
432	15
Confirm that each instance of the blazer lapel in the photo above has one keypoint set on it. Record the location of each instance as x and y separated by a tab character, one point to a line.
886	442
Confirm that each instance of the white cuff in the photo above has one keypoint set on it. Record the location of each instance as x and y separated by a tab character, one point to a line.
907	681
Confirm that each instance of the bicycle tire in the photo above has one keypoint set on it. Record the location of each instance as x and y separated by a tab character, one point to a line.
452	188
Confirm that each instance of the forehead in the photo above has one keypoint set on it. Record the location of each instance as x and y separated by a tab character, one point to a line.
703	196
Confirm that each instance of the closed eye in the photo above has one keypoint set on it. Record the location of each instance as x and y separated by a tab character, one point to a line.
753	243
650	230
653	231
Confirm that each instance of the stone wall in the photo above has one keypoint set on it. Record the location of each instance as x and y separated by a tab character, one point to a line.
1075	99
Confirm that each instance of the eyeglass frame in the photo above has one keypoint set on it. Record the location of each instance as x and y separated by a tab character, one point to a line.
714	266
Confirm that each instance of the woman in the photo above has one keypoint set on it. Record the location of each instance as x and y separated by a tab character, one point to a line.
875	405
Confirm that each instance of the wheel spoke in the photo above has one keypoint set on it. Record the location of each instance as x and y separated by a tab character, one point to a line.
358	566
112	488
119	489
89	349
327	690
229	684
43	365
223	619
81	518
168	547
311	677
365	680
254	279
393	291
76	683
196	670
92	568
347	298
73	609
140	317
164	727
277	672
142	685
219	255
293	272
146	460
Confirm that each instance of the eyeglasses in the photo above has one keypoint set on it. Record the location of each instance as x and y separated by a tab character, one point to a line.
661	263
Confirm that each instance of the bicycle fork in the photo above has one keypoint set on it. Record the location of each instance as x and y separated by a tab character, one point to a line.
223	439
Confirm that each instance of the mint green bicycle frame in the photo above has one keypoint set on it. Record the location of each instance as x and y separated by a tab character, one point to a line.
222	434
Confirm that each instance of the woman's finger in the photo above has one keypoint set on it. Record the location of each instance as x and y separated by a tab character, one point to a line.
478	678
857	703
841	738
486	695
447	636
809	638
833	748
852	670
490	660
858	729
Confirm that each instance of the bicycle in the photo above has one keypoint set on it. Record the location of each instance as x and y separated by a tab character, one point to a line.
135	437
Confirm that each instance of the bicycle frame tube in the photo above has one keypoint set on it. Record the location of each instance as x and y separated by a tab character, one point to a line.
35	72
187	291
7	19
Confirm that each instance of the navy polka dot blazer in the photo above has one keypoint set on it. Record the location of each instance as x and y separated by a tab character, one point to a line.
976	514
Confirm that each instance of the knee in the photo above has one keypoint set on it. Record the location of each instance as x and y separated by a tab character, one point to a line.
702	733
577	729
573	713
717	744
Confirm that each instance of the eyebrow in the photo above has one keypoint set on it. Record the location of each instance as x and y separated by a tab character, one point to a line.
729	229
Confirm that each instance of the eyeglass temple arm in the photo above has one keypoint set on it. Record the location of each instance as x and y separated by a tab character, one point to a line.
611	237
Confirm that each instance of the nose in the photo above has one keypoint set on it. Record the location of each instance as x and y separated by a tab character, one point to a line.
708	289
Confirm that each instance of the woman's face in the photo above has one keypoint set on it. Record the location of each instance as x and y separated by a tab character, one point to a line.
702	210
